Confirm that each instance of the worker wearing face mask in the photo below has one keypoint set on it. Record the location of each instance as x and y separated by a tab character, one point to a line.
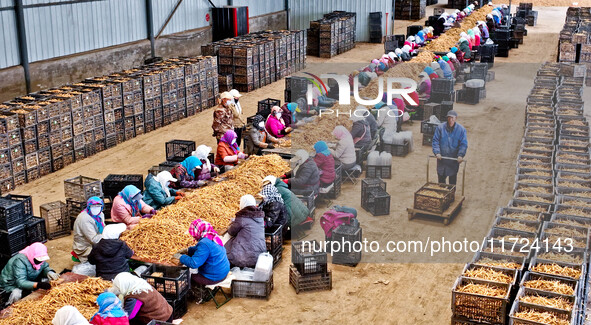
129	207
275	124
158	193
88	228
260	138
228	153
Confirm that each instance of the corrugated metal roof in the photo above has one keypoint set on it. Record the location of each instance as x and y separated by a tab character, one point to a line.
303	11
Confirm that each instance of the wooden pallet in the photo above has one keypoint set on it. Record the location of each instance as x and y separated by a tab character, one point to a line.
447	215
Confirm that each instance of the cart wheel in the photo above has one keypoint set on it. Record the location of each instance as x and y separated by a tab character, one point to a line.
410	215
446	221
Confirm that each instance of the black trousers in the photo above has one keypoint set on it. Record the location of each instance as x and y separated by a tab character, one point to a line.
452	179
239	134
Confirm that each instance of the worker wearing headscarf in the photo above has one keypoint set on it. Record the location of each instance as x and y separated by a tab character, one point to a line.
69	315
276	125
24	272
476	34
158	193
465	48
406	56
88	228
140	301
111	254
345	148
398	53
439	27
110	311
447	58
484	31
424	88
369	118
248	234
228	152
208	255
306	176
430	72
236	107
325	163
273	206
393	58
437	68
259	137
207	170
288	114
420	38
129	207
447	73
360	131
454	60
185	173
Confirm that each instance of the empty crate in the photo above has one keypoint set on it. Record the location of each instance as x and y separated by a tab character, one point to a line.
178	150
81	188
57	221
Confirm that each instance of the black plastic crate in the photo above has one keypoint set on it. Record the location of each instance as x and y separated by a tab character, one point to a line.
27	201
11	214
73	209
81	188
309	257
171	281
378	171
178	150
442	85
277	256
179	307
252	289
428	127
274	238
370	183
444	108
12	241
306	283
168	165
377	202
35	228
438	97
349	235
264	106
57	221
309	199
113	184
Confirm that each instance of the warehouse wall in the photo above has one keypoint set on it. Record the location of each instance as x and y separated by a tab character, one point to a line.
72	68
302	13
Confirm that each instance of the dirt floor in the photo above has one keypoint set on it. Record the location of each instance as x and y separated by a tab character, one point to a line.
415	293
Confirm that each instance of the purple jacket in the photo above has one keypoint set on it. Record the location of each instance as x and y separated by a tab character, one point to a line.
326	166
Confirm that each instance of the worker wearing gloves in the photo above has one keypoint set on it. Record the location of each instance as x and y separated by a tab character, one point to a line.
158	193
207	170
140	301
424	88
260	137
345	149
223	118
273	205
129	207
306	176
297	211
208	256
248	234
449	141
24	272
360	131
325	162
111	254
185	173
228	152
447	73
88	229
69	315
237	114
275	124
110	311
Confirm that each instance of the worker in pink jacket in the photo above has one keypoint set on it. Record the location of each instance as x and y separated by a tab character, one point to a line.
129	208
275	124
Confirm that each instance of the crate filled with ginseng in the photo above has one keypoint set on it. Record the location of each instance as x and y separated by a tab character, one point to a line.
534	189
491	273
565	235
548	283
511	236
503	255
480	300
570	271
171	281
537	307
434	197
521	179
516	224
572	220
535	172
553	252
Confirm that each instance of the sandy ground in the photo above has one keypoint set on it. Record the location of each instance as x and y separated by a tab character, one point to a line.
416	293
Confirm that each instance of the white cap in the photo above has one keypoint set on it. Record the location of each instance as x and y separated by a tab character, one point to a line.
226	95
247	201
235	93
271	179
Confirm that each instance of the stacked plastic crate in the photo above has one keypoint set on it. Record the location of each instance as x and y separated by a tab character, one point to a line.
374	197
9	127
12	228
309	268
60	217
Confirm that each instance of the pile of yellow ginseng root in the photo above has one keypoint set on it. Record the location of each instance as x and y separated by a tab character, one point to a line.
81	295
158	238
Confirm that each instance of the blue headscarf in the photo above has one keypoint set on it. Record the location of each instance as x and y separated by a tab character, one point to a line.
454	49
190	164
321	147
292	107
95	200
127	195
383	66
379	105
429	70
109	306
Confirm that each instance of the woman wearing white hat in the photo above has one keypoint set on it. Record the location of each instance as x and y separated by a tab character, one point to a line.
111	254
158	192
248	234
238	115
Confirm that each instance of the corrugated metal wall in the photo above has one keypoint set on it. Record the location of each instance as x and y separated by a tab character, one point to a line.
8	44
59	30
304	11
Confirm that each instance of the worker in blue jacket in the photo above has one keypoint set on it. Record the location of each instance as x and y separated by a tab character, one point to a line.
449	141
